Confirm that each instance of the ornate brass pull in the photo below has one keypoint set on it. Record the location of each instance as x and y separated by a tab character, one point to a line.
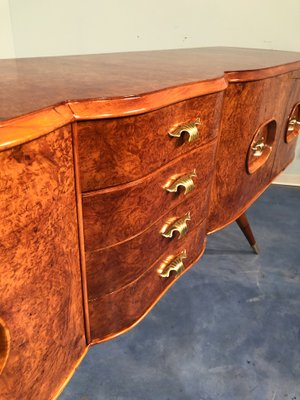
179	226
173	264
185	181
190	129
259	147
293	125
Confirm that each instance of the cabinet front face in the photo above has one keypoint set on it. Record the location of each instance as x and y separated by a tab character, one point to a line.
287	139
41	313
115	312
253	125
120	150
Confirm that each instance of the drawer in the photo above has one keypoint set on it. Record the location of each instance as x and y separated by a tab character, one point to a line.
113	313
113	267
113	215
121	150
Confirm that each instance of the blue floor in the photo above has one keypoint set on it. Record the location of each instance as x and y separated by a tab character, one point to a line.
227	330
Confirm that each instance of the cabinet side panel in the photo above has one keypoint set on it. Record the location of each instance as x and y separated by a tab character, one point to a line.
40	285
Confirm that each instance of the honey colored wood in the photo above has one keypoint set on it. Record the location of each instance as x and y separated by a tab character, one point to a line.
85	156
124	307
129	259
80	232
4	344
32	126
111	85
115	214
246	107
285	151
143	143
40	285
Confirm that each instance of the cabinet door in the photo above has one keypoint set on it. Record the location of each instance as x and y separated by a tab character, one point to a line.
252	121
41	314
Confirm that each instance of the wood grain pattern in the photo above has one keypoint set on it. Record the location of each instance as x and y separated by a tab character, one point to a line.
116	214
246	107
285	152
131	258
117	151
51	80
40	285
115	312
112	85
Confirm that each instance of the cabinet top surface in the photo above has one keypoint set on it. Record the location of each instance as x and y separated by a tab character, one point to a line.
30	84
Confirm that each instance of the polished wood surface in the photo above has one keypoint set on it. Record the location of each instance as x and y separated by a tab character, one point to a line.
133	256
285	151
52	80
111	85
115	214
40	285
247	106
112	313
143	143
85	165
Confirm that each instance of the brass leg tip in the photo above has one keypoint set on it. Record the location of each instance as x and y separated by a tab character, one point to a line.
255	248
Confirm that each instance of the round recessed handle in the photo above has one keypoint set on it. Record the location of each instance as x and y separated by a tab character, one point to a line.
4	344
259	147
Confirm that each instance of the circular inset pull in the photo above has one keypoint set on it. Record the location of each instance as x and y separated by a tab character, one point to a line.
4	344
261	146
293	126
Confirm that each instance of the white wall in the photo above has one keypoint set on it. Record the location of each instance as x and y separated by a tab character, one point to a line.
30	28
56	27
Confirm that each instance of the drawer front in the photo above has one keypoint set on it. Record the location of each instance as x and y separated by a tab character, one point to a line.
252	122
120	150
111	268
113	313
113	215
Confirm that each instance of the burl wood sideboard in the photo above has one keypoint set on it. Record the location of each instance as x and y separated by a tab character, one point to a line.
114	169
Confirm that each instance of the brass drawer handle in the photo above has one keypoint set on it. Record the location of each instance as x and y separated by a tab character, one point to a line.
186	181
190	129
259	147
173	264
179	226
293	125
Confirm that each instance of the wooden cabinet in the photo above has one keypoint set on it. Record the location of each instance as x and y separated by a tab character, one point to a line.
111	177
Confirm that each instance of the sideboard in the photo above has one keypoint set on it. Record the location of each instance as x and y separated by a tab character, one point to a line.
114	169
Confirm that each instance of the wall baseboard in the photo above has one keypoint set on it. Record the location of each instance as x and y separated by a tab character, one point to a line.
288	179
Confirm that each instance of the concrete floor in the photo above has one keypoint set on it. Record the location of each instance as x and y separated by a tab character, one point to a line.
227	330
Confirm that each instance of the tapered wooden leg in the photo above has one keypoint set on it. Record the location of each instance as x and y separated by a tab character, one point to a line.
245	227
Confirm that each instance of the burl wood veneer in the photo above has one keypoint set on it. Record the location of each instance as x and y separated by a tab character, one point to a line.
40	285
113	170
